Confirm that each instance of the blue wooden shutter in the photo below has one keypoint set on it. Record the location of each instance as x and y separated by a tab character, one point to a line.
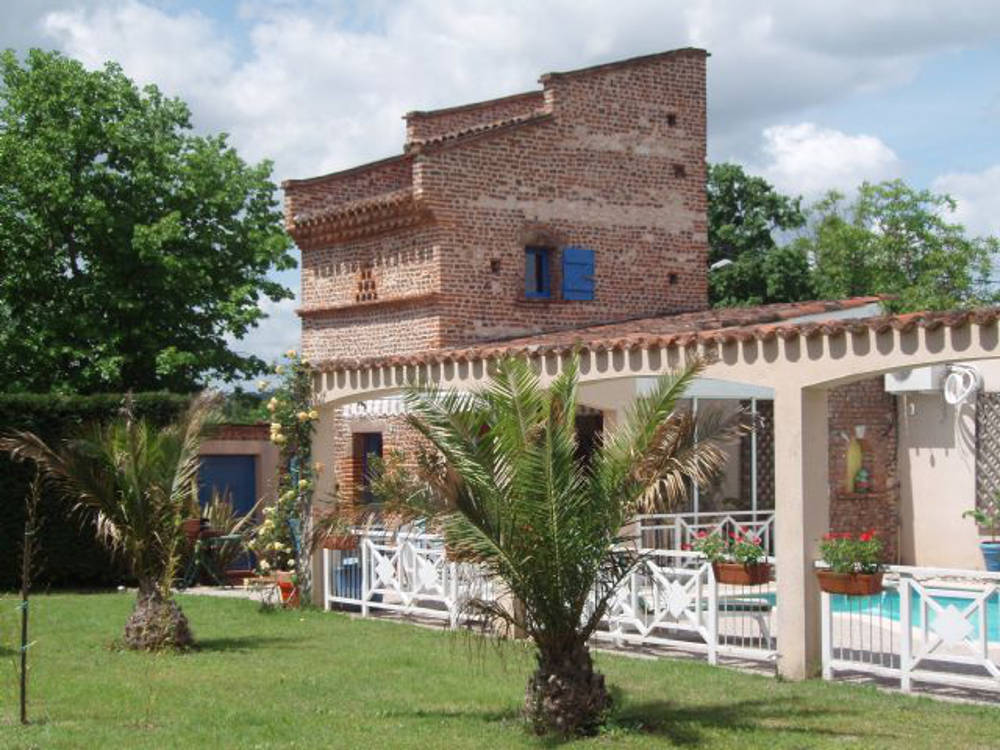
577	273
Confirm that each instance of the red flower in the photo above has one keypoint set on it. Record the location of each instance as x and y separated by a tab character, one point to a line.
702	534
828	536
866	537
685	547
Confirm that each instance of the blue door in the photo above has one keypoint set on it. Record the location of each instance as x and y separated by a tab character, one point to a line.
230	476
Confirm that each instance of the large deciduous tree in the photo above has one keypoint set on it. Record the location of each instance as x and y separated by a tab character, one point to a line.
131	249
744	214
897	241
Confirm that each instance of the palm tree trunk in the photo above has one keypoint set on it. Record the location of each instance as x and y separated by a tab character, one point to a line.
565	695
157	623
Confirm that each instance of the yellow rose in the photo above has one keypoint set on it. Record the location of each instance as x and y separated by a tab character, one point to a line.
279	369
290	354
265	565
291	564
261	385
313	414
303	483
303	416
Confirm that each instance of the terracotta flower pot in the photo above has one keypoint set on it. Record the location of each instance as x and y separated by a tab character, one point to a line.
738	574
288	588
191	528
850	584
340	541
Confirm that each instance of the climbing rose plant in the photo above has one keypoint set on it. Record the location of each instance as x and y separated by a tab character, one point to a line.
293	421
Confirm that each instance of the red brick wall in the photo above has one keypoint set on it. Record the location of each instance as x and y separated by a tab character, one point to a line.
396	435
865	403
259	431
619	167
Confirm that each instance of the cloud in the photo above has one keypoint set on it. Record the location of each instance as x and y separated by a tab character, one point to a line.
275	334
977	197
805	159
319	86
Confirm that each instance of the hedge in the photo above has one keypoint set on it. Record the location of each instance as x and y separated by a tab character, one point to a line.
69	556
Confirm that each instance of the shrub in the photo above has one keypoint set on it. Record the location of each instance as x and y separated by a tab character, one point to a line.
68	556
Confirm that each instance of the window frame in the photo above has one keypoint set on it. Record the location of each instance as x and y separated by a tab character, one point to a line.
542	257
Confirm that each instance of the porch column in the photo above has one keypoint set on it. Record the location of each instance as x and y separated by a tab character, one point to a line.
325	486
802	516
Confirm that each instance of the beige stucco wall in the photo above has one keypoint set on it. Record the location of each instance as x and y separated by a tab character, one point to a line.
265	456
937	465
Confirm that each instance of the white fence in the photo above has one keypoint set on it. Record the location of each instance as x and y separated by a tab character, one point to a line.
407	573
679	530
937	626
672	599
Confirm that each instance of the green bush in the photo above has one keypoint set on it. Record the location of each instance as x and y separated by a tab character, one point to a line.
69	556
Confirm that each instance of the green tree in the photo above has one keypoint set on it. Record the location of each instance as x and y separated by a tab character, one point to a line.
130	248
744	213
136	481
513	494
894	240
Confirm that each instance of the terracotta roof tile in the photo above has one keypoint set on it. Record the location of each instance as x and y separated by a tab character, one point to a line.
687	329
418	144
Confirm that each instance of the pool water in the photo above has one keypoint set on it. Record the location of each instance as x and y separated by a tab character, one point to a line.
886	605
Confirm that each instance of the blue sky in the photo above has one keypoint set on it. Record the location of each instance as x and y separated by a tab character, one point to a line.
811	95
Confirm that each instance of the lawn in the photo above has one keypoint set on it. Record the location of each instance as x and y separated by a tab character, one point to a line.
312	679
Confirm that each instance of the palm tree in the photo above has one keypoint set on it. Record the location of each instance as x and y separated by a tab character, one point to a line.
511	492
135	479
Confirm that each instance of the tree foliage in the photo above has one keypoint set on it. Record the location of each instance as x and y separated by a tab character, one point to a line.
744	214
130	248
890	240
894	240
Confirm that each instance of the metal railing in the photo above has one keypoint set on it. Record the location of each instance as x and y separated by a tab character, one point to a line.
929	625
677	531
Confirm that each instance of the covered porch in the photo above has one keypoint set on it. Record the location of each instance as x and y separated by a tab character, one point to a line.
794	366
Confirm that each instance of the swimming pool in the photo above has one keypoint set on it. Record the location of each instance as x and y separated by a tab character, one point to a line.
886	605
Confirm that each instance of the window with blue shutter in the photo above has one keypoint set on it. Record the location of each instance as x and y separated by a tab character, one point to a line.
577	273
537	273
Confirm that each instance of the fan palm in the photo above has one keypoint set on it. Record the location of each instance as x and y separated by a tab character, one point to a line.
135	480
512	493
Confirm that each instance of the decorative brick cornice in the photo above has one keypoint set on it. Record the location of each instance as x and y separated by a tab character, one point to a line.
388	212
323	311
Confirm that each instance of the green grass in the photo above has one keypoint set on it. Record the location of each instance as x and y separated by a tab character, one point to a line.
289	679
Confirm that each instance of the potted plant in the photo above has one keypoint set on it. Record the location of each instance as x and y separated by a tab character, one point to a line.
988	517
739	560
854	564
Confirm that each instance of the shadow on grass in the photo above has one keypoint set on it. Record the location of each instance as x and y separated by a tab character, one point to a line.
689	726
240	644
